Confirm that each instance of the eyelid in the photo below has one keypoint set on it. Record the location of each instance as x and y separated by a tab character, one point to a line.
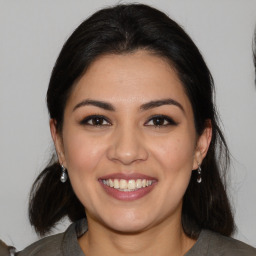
85	121
167	118
170	121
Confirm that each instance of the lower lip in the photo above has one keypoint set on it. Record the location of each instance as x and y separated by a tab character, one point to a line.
128	195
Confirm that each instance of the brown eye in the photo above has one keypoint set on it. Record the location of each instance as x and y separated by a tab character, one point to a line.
95	120
159	121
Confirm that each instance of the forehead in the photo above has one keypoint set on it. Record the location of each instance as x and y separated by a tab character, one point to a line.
129	78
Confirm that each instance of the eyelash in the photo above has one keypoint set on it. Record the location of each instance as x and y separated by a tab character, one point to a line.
103	121
94	118
167	121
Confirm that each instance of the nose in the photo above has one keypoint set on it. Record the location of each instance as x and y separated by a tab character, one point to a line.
127	146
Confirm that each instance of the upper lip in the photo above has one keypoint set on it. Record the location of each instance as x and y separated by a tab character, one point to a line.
126	176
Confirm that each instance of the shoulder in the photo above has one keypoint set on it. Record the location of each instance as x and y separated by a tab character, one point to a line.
4	249
50	246
226	246
63	244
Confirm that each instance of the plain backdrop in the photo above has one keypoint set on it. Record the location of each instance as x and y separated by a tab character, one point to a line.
31	36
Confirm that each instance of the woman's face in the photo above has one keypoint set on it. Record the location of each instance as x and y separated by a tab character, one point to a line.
129	142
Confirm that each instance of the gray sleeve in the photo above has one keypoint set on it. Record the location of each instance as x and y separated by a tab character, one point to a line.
212	244
227	246
231	247
50	246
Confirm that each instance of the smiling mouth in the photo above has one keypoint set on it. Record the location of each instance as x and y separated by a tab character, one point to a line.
127	185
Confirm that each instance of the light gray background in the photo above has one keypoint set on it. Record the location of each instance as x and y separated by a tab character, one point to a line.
31	36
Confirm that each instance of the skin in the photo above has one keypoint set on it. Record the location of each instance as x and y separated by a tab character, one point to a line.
128	141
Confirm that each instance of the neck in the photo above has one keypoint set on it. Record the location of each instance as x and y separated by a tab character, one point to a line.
162	240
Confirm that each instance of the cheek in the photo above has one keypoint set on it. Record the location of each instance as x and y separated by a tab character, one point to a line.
176	159
175	155
82	153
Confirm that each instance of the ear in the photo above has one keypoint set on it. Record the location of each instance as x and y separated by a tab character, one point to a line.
57	139
203	144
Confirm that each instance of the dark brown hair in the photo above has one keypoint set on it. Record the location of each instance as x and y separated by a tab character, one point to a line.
124	29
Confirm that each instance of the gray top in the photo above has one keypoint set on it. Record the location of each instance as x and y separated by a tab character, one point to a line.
66	244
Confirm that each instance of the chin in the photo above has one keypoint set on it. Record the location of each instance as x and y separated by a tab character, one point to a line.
128	223
126	228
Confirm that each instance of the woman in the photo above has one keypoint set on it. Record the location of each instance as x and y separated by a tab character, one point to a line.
136	135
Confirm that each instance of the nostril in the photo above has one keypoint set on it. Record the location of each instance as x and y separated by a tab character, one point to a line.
127	152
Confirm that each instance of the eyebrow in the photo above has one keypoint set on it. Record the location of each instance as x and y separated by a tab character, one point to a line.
158	103
96	103
145	106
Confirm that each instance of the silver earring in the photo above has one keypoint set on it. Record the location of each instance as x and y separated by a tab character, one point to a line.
64	175
199	172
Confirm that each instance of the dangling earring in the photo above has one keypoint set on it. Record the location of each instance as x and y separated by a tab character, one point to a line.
64	175
199	172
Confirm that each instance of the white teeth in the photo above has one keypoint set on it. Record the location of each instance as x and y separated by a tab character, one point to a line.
138	183
131	184
116	183
123	184
111	183
127	185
